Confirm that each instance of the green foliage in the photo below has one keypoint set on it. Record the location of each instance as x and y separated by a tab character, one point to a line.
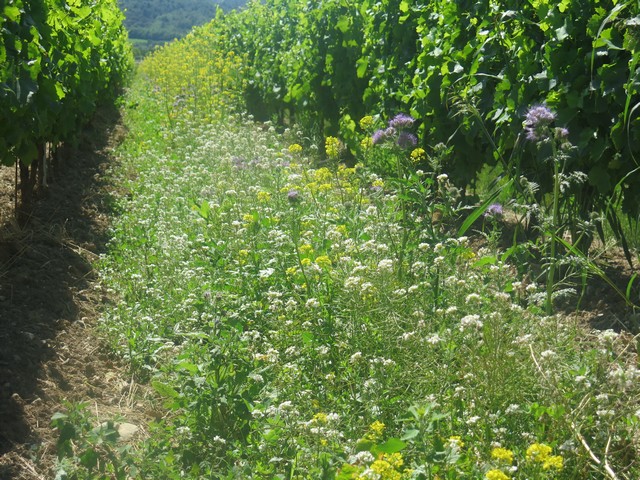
58	61
89	452
314	62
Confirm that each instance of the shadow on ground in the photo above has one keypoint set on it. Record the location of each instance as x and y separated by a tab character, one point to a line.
46	285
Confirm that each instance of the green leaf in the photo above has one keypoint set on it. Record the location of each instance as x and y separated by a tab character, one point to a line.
164	389
392	445
364	446
410	434
561	33
480	210
361	66
629	285
203	209
188	366
56	417
343	24
89	459
12	13
599	176
60	91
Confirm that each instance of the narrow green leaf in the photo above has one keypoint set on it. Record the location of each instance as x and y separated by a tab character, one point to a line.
480	210
629	285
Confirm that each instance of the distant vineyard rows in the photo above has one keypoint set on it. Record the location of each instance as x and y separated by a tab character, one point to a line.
467	70
58	61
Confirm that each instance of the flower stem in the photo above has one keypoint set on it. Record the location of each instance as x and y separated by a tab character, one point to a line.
554	226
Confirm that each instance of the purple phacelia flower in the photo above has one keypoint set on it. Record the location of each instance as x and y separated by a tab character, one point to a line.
562	133
293	196
239	163
537	123
402	120
493	210
378	137
407	140
390	132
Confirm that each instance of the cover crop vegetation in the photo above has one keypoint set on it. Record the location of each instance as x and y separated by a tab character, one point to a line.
300	296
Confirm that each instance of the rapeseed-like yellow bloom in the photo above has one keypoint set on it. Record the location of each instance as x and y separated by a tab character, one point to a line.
366	143
332	146
496	474
324	262
538	452
295	148
263	196
305	249
366	122
376	429
502	454
555	462
456	440
418	155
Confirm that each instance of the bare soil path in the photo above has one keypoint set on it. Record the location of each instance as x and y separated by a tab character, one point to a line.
50	349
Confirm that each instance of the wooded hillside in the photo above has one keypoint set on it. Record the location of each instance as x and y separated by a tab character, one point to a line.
164	20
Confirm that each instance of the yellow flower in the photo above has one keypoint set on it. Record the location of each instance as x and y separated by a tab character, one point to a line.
502	454
538	452
295	148
496	474
554	461
305	249
366	122
320	418
332	146
394	459
323	261
366	143
344	172
378	183
385	470
305	262
418	155
375	430
263	196
456	440
247	217
322	175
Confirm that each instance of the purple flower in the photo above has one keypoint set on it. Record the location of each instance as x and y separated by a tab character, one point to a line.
537	122
293	196
402	120
390	132
493	210
378	137
407	140
239	163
